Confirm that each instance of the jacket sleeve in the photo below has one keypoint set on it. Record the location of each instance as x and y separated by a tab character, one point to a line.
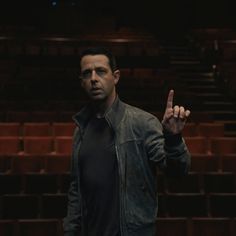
167	151
72	222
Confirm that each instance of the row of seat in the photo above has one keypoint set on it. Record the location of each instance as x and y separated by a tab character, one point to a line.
49	182
60	163
29	227
66	129
35	145
17	114
37	129
62	111
63	144
165	226
55	163
30	206
58	46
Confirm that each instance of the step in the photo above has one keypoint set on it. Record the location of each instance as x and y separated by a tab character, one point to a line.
224	115
182	58
206	75
203	88
220	105
184	62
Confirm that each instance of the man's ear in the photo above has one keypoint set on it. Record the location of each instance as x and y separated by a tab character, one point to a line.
116	75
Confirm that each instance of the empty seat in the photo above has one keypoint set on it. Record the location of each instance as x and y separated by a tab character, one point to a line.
197	145
9	145
222	204
215	182
40	183
9	129
190	130
36	129
7	228
5	163
186	184
43	116
211	226
223	145
63	129
54	205
20	206
64	182
161	183
143	73
125	72
39	227
58	164
186	204
27	164
211	129
66	116
63	145
171	226
205	162
228	162
10	183
17	116
162	210
37	145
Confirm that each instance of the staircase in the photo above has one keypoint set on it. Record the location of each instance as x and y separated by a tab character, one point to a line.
200	86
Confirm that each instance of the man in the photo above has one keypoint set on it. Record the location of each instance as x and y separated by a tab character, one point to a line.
116	150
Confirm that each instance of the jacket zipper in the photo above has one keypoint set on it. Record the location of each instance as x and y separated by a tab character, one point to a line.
120	194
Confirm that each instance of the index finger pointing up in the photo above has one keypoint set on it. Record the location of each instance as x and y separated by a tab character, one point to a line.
170	99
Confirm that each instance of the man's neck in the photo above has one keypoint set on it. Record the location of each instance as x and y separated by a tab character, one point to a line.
100	108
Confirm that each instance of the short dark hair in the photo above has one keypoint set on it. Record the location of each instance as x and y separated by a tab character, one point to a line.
100	51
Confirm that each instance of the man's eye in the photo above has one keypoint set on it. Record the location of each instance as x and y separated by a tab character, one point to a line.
86	74
100	72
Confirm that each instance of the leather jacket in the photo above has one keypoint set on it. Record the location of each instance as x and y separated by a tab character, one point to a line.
140	147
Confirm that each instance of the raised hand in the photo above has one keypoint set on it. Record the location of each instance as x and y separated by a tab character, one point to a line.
175	117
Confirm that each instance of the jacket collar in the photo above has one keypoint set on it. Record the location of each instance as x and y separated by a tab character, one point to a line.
113	115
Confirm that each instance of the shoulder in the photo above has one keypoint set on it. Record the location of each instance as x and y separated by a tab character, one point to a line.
138	112
139	116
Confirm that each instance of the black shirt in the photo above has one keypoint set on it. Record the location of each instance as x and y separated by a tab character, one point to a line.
99	179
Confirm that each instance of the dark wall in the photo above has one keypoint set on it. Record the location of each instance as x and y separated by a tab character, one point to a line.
153	14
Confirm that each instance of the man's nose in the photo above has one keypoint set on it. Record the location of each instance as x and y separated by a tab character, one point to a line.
94	75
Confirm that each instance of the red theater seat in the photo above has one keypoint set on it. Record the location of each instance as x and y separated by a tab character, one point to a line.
10	129
171	226
223	145
58	164
222	204
219	182
40	227
36	129
190	130
27	164
211	226
7	227
228	162
54	205
9	145
186	184
38	145
197	145
204	162
211	129
63	129
20	206
63	145
186	204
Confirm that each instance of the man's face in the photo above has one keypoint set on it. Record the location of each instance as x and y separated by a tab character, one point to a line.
97	78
